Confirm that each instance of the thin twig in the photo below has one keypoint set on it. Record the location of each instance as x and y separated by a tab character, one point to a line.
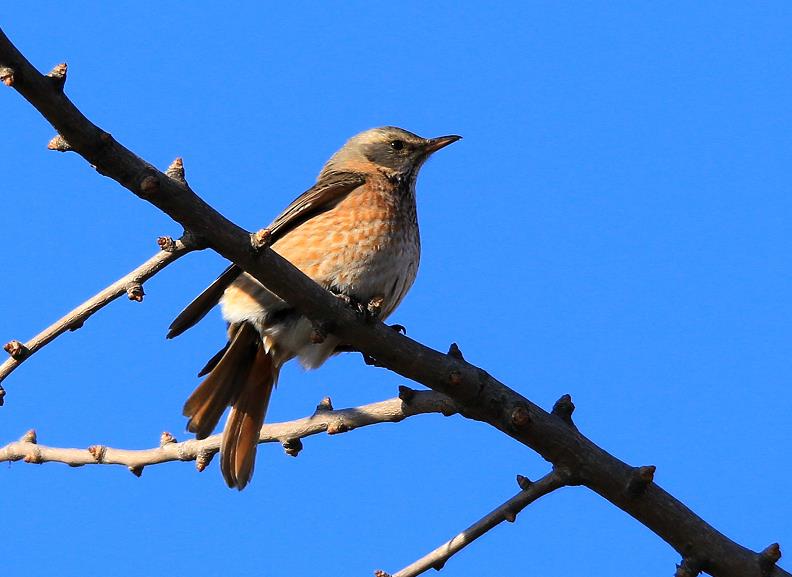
287	433
130	284
507	512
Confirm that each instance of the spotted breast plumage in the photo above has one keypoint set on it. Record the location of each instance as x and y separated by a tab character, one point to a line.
355	233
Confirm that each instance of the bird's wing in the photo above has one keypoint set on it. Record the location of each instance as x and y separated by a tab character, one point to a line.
322	196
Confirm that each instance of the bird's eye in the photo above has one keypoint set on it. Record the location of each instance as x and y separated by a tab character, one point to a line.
397	144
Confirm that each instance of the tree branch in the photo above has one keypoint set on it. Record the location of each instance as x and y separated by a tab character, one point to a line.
325	419
507	512
130	284
477	394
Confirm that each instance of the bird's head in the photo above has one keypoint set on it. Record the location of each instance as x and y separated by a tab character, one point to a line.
392	150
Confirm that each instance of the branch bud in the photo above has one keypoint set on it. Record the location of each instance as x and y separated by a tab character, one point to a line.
166	439
176	170
406	394
29	437
135	292
769	557
17	350
260	240
58	75
166	243
524	482
324	405
202	459
640	479
453	351
59	144
292	447
7	76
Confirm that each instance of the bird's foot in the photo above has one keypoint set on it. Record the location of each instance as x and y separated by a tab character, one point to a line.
351	302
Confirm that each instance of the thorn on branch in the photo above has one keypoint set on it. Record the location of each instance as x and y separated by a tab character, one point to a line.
202	459
399	329
524	482
260	240
769	557
97	452
689	567
16	350
520	417
381	573
166	243
166	439
292	447
439	565
176	170
29	437
76	325
510	516
7	75
136	470
135	292
640	479
406	394
59	144
58	75
453	351
563	408
324	405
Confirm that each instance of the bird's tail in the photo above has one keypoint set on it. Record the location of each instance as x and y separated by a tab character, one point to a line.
243	377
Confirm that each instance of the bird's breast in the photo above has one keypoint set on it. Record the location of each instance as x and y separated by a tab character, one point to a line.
367	245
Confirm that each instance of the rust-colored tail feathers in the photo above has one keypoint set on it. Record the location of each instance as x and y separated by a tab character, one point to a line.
244	378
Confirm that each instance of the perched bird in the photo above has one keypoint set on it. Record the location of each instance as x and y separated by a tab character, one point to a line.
355	232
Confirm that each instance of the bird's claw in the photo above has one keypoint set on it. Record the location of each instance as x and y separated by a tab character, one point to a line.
352	303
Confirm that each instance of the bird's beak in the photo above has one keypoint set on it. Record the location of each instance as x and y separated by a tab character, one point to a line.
434	144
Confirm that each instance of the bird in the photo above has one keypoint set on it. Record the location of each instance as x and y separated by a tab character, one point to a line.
355	233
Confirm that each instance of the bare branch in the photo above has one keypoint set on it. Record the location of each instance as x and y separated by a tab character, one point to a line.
130	285
476	393
288	434
506	512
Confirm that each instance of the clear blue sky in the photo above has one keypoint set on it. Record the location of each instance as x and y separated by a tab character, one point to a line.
614	225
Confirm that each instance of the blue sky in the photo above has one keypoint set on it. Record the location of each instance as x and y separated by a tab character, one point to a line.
614	225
